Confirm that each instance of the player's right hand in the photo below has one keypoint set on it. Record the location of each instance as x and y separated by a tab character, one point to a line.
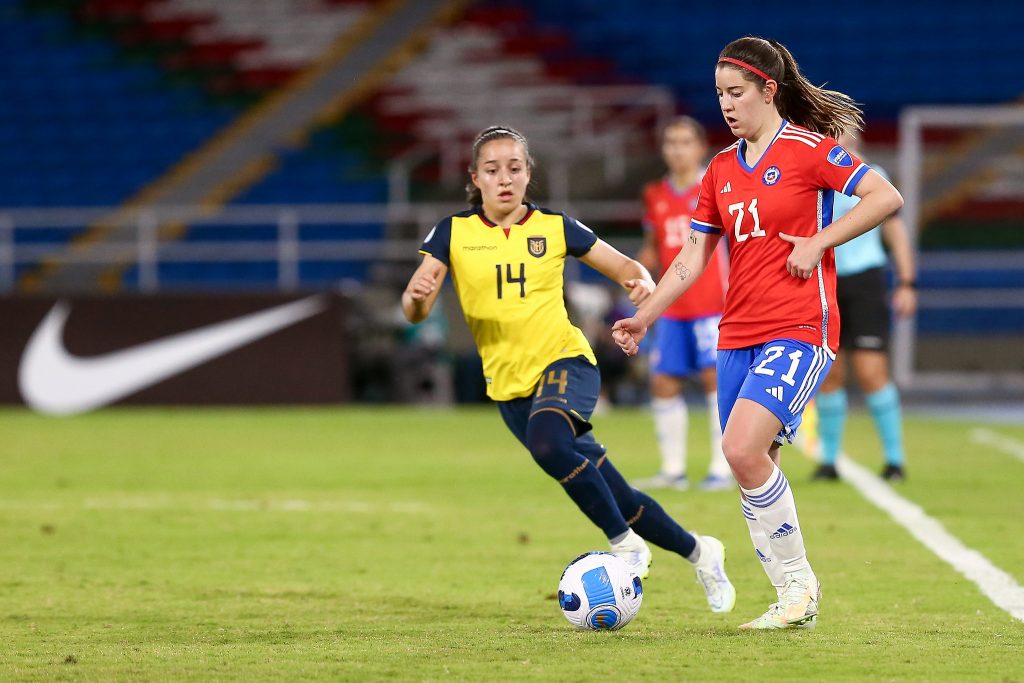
423	285
628	333
639	289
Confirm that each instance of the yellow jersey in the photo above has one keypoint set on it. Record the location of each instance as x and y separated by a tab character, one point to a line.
510	285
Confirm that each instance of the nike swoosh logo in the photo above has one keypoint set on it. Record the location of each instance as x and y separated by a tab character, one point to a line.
54	381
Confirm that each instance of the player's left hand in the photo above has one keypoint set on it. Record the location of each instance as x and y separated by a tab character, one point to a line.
804	258
639	289
904	302
628	333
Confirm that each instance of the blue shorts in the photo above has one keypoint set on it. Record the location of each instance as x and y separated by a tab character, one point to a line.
782	375
684	347
570	385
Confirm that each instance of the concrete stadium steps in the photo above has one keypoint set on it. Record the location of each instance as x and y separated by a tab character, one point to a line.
495	67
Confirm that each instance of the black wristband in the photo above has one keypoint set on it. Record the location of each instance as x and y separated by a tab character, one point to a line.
908	283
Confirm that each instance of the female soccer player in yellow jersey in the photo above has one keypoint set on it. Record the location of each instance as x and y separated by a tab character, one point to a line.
506	257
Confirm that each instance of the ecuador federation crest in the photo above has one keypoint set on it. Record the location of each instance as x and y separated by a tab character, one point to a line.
538	246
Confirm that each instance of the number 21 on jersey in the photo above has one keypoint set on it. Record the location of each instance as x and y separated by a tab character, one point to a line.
739	211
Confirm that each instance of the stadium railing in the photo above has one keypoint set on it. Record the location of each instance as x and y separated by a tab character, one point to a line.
147	249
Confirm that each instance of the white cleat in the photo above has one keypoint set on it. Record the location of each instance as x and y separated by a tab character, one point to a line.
773	619
800	596
677	482
797	606
718	482
635	552
711	575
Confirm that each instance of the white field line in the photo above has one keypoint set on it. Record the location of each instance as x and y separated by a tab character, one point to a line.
986	437
1001	588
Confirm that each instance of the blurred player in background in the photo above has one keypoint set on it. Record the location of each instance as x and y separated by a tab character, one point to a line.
686	336
864	340
507	258
770	194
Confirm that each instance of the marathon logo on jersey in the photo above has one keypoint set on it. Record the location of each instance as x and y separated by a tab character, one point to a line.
538	246
771	175
840	157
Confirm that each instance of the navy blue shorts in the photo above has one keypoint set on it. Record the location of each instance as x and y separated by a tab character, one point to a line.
570	385
782	375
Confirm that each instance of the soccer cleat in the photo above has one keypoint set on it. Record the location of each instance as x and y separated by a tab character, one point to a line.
633	549
894	474
718	482
773	619
710	569
800	596
825	473
679	482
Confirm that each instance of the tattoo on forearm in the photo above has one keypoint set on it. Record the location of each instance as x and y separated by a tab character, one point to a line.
682	271
693	237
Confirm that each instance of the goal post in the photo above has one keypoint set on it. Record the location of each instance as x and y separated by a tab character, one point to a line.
963	165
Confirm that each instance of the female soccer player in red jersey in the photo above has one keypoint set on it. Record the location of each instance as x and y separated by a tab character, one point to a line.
771	194
507	258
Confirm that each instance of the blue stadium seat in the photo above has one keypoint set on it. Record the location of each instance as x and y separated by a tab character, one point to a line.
80	106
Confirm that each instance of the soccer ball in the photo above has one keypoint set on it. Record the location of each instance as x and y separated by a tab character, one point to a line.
599	591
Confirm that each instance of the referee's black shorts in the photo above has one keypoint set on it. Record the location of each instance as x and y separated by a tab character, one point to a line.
863	310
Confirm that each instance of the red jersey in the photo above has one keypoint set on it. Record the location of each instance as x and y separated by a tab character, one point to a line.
789	190
667	212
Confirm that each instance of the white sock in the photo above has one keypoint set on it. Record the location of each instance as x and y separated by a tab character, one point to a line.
630	539
670	418
719	465
773	505
694	556
764	549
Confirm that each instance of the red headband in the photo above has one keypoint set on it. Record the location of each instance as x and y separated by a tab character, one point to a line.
746	66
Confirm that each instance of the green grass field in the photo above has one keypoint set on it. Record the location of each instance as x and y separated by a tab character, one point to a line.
399	544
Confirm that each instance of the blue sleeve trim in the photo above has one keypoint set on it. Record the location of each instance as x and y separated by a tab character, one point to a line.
438	242
851	184
700	226
579	239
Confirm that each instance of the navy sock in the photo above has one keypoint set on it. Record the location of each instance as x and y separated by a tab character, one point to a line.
642	513
551	440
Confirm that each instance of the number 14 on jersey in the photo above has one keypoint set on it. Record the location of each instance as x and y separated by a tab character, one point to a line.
510	279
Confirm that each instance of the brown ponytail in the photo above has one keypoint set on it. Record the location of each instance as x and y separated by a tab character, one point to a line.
824	111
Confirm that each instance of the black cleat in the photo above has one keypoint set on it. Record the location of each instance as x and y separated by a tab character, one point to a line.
825	473
894	474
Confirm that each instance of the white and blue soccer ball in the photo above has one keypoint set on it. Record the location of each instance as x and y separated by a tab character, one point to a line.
599	591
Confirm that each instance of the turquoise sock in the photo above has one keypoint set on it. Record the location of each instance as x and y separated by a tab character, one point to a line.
884	405
831	420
